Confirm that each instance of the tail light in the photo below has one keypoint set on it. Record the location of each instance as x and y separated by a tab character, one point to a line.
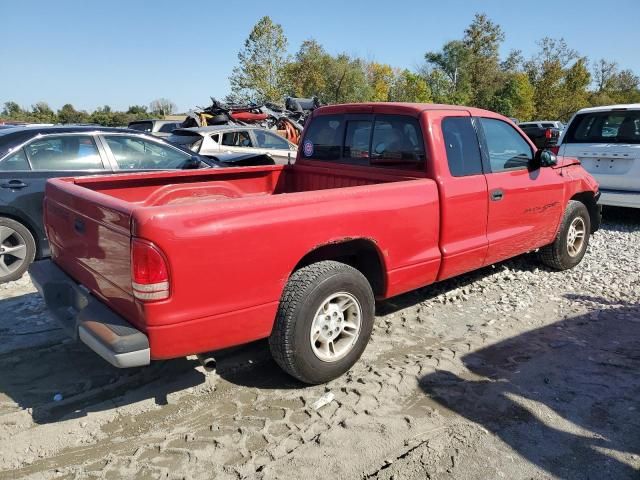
548	134
149	271
555	149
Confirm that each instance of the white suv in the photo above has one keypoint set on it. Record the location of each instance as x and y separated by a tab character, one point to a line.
606	140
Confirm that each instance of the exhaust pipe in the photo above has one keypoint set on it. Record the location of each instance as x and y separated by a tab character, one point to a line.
207	362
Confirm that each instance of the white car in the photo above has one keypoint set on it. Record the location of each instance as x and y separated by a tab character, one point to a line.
218	139
606	140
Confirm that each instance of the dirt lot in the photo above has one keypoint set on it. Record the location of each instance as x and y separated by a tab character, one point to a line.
512	372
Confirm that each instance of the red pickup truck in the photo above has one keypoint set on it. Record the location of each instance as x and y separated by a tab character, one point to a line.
382	199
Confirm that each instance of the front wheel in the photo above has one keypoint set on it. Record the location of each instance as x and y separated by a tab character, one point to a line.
572	240
324	322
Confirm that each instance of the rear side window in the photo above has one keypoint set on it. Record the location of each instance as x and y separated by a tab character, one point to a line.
323	140
605	127
388	141
461	143
65	152
397	143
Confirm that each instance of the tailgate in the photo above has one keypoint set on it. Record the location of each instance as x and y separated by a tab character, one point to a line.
90	239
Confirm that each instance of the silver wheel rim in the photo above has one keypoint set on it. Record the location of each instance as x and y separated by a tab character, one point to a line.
336	327
13	251
576	236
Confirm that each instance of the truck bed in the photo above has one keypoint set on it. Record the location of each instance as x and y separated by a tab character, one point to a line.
228	233
165	188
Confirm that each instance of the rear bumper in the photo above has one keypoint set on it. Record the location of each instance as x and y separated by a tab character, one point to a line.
620	198
86	318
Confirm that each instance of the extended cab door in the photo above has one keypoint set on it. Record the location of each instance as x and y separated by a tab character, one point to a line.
525	205
458	169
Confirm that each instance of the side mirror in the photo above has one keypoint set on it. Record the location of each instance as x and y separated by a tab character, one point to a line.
545	158
193	163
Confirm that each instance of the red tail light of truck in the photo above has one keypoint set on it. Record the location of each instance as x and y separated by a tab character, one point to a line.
149	272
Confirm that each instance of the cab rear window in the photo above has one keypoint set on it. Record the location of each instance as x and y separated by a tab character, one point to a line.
385	141
605	127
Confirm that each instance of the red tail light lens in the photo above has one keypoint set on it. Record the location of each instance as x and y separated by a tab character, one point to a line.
149	271
548	134
555	149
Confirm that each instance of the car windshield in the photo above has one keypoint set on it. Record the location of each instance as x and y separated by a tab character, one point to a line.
621	126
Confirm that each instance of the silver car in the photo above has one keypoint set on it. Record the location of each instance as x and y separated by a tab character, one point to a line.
214	140
606	140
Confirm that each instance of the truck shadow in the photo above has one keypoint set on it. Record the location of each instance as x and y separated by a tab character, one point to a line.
50	376
565	396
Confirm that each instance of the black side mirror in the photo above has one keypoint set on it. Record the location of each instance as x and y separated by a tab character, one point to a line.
193	163
545	158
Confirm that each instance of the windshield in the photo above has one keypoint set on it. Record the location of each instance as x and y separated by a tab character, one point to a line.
605	127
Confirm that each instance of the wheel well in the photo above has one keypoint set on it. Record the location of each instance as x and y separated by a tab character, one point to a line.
592	206
28	226
361	254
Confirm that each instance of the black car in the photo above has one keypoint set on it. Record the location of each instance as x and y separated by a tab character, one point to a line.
29	156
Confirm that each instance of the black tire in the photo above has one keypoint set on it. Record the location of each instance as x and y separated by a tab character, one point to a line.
303	295
13	267
557	255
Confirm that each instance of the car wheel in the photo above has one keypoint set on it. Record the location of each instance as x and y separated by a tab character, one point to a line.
17	249
572	240
324	322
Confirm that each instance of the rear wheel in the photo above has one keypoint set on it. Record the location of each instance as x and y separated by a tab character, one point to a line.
17	249
324	322
570	245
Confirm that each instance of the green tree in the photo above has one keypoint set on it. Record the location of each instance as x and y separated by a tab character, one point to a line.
410	87
13	111
260	73
446	73
42	113
516	97
347	80
306	75
137	110
482	40
381	78
68	114
102	116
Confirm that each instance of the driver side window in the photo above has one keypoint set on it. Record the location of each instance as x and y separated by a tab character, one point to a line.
134	153
507	149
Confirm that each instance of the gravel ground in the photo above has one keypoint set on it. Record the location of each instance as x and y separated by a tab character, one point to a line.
510	372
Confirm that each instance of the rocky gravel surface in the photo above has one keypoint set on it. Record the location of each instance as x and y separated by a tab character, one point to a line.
512	372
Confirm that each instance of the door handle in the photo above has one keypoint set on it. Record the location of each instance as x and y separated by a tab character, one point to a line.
13	184
497	195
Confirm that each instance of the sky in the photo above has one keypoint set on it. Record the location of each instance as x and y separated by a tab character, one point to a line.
120	53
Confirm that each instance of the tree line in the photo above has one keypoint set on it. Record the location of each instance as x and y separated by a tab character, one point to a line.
552	84
42	113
